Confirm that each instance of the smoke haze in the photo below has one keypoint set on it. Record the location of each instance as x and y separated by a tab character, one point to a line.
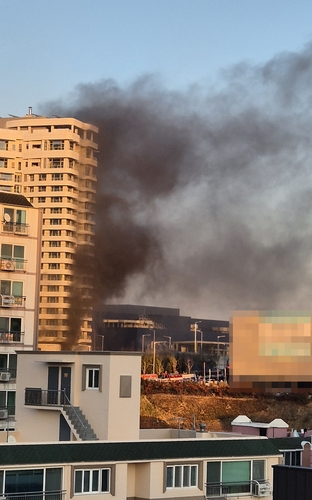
204	196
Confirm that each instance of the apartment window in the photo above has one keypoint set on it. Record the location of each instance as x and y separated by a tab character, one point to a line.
182	476
55	232
56	210
14	288
10	331
52	300
292	458
56	199
53	288
68	255
92	481
3	145
41	199
56	145
7	400
15	220
233	477
56	222
42	177
54	277
13	253
56	162
52	322
54	243
31	177
41	189
91	377
3	163
56	177
54	265
57	188
54	255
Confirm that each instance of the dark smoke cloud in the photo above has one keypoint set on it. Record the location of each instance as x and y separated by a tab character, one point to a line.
204	196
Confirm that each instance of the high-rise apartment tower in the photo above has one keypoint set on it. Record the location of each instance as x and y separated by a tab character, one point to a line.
52	162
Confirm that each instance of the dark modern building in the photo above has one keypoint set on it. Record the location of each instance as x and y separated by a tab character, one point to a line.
291	483
133	328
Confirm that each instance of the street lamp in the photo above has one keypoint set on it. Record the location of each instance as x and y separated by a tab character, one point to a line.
219	337
154	352
145	335
195	336
168	337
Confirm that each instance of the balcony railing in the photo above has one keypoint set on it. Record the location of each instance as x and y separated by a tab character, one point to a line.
35	495
44	397
12	301
8	336
254	488
9	264
15	227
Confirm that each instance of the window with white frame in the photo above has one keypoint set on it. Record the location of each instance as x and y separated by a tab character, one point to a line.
92	481
93	378
182	476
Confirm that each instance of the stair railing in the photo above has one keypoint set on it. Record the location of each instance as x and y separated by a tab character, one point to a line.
68	403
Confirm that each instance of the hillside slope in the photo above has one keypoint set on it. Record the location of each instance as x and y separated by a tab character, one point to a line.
217	412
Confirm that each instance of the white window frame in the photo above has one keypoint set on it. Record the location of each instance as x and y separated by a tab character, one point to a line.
93	383
181	476
89	478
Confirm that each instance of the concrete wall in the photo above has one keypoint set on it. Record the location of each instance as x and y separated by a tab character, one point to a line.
111	416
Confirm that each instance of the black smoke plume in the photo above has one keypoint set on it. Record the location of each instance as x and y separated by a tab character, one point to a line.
204	196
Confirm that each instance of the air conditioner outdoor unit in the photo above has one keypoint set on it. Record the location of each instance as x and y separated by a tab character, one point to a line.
7	265
264	490
5	376
3	414
7	300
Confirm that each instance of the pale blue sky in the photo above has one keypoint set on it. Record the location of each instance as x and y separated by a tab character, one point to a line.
50	46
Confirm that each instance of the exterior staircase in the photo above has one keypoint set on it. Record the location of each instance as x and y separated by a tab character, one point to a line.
78	423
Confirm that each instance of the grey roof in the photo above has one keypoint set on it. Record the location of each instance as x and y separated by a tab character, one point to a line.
58	453
14	199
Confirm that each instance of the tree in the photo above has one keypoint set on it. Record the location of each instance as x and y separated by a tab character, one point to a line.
146	363
173	363
189	364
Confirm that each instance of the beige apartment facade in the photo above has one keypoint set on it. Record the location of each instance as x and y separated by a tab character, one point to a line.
20	251
52	162
117	460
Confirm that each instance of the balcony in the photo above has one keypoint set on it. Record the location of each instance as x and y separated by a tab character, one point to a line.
15	228
12	301
35	495
43	397
223	489
8	264
7	337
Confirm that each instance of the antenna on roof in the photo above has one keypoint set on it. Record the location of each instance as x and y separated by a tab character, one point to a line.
13	116
30	110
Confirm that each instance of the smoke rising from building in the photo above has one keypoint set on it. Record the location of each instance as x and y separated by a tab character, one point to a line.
204	196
